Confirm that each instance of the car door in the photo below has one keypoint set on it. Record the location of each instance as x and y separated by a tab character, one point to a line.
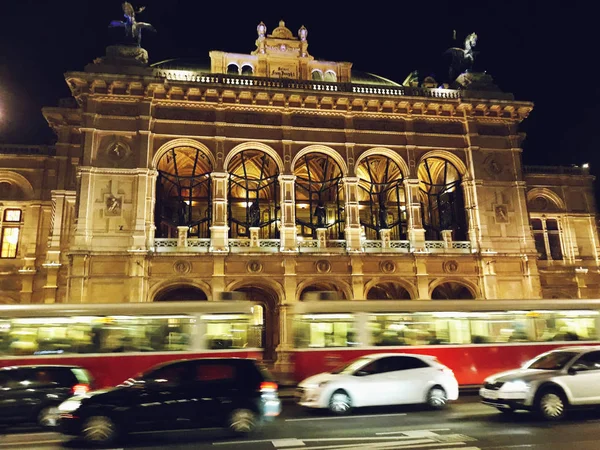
20	397
583	379
217	390
162	400
410	376
373	384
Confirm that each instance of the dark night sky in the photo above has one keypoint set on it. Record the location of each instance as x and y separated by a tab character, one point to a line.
543	51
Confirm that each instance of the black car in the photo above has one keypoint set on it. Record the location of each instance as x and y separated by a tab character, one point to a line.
235	393
31	394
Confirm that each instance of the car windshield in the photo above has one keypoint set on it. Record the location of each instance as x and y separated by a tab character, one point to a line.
352	366
551	361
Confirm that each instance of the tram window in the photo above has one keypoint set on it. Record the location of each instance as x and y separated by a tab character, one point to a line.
325	330
225	331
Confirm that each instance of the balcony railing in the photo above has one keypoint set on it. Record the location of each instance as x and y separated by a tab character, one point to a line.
164	245
394	246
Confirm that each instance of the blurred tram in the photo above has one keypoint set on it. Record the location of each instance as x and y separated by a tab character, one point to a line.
117	341
475	338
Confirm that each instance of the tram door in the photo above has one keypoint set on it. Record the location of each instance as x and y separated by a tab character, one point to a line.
270	313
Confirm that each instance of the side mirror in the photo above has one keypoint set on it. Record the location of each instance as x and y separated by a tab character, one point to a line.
577	368
360	373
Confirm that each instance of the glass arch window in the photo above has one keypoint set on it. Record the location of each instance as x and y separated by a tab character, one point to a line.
330	76
233	69
442	202
317	75
382	200
247	70
319	196
183	193
253	195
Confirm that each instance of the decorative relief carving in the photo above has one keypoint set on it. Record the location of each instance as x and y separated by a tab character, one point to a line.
182	267
450	266
539	204
323	266
254	267
387	266
493	166
501	213
113	206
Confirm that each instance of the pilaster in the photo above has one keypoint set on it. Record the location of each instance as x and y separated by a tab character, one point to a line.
288	214
352	230
219	231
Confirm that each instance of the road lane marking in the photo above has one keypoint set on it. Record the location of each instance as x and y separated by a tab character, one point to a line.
344	417
401	432
282	443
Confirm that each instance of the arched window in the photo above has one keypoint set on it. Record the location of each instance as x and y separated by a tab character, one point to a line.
233	69
382	199
330	76
317	75
388	291
247	70
441	196
253	196
319	196
183	193
452	291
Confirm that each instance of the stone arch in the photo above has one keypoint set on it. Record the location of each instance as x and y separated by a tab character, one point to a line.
182	142
312	285
385	283
18	180
318	148
383	152
449	156
445	288
269	295
180	287
316	75
253	146
5	300
547	194
330	76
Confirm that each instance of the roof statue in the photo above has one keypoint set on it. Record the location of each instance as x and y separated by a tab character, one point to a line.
462	59
133	28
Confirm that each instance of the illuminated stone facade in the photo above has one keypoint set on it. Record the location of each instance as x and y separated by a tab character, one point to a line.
277	175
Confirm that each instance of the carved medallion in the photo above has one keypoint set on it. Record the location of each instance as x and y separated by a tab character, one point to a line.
323	266
387	266
254	267
493	167
182	267
117	151
450	266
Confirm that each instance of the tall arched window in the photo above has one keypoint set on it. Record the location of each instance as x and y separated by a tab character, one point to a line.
183	193
317	75
442	202
247	70
253	195
233	69
319	196
330	76
382	200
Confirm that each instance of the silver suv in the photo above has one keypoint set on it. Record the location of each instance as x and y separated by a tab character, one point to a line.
548	384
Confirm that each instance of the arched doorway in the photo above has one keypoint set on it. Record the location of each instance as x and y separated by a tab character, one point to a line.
389	290
452	291
180	293
268	300
323	286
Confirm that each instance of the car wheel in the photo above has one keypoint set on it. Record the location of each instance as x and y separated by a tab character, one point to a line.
99	430
437	398
242	421
340	403
47	416
551	404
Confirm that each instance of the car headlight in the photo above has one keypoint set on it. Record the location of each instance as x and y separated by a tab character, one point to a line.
69	406
516	386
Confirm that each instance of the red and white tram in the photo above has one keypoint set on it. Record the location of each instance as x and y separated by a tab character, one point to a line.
117	341
474	338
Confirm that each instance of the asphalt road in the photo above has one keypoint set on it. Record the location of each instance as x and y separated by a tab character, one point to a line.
466	425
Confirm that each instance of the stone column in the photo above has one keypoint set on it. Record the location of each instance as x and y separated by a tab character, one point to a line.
219	240
447	238
287	229
254	233
477	232
322	237
143	223
352	230
416	232
83	232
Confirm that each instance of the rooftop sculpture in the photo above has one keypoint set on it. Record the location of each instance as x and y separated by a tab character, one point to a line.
133	28
462	59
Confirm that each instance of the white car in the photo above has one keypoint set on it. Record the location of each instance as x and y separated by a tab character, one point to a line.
548	384
380	379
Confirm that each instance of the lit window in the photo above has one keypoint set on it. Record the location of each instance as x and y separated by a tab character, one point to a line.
10	231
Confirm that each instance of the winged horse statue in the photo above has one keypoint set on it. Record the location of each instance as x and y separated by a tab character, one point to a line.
133	28
462	59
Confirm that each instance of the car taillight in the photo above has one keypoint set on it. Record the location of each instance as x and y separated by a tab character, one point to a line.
80	389
268	386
